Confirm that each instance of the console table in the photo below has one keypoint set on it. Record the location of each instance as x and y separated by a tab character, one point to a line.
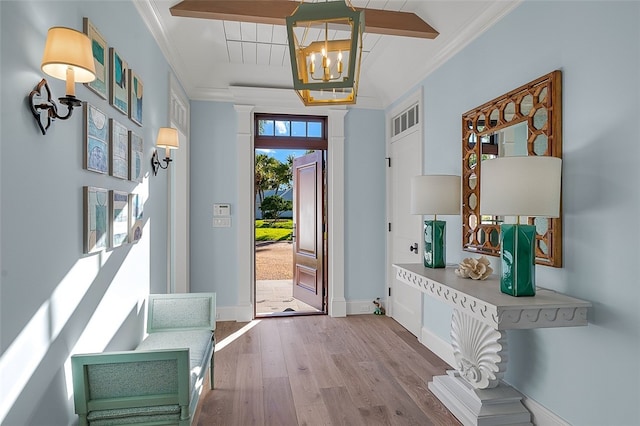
474	392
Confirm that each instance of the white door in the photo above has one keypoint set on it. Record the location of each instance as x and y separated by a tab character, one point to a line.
406	228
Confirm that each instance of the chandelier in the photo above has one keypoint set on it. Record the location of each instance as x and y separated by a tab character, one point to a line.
325	44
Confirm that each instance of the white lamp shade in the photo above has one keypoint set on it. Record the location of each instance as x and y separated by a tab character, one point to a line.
67	48
168	138
435	194
521	186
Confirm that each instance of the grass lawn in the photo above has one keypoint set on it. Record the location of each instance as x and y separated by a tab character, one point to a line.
268	230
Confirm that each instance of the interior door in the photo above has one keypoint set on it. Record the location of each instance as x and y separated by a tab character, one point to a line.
406	228
308	274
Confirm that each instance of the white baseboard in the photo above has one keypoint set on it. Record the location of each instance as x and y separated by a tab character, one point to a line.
227	313
360	307
438	346
540	415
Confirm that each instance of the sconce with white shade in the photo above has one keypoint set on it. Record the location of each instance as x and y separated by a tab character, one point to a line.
67	56
167	139
520	186
435	194
325	44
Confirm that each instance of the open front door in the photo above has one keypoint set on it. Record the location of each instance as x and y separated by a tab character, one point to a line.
308	274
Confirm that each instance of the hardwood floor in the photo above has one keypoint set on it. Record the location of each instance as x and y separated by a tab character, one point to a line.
318	370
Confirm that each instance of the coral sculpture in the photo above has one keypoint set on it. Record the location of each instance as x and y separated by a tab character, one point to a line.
476	269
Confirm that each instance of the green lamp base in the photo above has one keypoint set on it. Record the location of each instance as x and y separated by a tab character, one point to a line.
434	243
517	244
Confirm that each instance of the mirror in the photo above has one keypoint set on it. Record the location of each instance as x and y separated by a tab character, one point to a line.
525	121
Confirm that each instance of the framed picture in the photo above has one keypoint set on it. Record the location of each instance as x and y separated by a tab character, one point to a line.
118	72
136	147
135	217
96	140
99	49
96	223
119	218
135	98
119	160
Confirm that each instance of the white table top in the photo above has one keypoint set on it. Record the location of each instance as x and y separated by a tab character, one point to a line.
483	299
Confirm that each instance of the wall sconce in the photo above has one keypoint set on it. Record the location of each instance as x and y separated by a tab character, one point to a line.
67	56
167	139
519	186
435	194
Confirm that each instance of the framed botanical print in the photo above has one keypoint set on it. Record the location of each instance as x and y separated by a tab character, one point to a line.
96	140
96	222
100	58
118	77
135	98
119	160
135	217
119	218
136	147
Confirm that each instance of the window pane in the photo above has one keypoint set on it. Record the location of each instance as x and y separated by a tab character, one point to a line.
314	129
283	128
265	127
298	128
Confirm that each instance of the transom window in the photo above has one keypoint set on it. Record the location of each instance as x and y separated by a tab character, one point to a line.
282	131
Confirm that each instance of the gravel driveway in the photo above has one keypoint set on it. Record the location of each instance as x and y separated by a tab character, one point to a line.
274	261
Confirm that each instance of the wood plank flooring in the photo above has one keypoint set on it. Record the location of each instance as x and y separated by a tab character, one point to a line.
318	370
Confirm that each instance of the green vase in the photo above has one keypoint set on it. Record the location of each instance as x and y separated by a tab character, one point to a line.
434	243
517	244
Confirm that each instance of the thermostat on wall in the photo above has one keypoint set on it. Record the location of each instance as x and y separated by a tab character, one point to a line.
222	210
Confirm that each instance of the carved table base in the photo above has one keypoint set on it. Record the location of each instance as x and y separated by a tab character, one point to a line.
500	405
475	393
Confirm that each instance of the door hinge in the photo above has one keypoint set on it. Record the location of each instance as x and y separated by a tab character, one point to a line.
389	291
389	226
388	161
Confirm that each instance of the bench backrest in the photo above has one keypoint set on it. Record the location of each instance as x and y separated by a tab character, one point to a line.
184	311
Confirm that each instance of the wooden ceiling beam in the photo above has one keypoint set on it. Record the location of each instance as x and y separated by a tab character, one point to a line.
274	12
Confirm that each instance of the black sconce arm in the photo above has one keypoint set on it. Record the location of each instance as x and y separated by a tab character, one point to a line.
156	164
50	106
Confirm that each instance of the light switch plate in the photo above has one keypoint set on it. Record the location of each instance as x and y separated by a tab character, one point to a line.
221	222
222	210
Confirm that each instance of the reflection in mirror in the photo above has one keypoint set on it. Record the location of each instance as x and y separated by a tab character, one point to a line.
525	121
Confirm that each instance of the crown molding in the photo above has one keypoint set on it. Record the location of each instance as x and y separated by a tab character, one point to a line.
151	18
471	30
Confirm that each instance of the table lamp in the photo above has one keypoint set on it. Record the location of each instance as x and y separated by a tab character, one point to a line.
435	194
519	186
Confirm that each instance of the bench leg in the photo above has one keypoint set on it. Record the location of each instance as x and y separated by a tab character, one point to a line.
211	365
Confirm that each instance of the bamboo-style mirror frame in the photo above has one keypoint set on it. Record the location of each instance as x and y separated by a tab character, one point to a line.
539	104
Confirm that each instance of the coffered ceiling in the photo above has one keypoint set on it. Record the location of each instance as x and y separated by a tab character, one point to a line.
213	59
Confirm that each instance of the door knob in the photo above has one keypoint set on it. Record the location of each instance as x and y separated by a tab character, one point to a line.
414	248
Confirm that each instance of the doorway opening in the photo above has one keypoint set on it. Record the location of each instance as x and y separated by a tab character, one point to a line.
290	215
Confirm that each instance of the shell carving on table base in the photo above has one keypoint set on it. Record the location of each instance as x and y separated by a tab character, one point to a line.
480	351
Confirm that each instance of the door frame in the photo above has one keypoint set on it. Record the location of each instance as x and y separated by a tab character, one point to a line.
178	202
286	102
415	98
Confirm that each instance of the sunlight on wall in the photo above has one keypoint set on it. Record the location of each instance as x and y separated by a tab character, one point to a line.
120	299
30	347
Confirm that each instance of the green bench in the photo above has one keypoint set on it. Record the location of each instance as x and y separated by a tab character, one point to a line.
159	382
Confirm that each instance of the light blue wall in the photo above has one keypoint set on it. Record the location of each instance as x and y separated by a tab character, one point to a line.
588	375
54	299
365	208
213	180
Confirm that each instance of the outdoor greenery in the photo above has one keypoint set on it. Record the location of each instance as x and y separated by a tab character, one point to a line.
273	206
279	230
272	175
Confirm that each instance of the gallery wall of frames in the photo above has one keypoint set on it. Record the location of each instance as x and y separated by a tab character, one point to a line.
112	146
